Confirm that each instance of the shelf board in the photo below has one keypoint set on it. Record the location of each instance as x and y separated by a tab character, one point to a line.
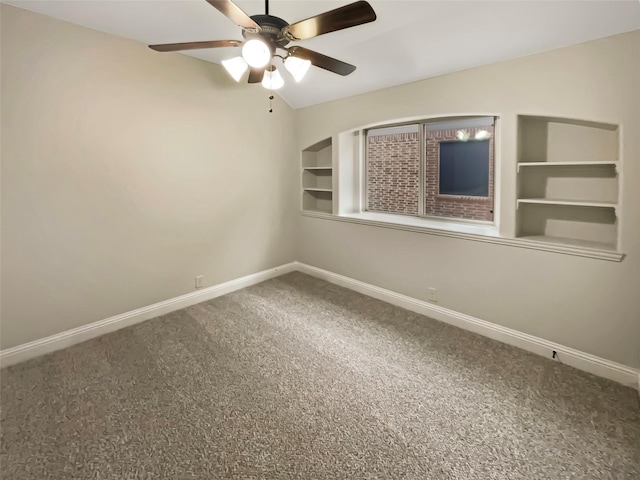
317	168
568	164
571	242
314	189
571	203
318	146
315	211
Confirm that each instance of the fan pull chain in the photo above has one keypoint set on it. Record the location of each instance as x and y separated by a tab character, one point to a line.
270	107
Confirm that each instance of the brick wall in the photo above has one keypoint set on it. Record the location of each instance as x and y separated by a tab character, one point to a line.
472	208
393	173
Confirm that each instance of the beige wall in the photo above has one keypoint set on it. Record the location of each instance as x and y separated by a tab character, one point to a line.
588	304
126	173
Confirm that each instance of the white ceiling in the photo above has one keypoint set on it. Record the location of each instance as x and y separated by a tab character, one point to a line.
410	40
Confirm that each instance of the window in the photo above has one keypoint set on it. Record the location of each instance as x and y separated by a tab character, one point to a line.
464	168
393	170
435	168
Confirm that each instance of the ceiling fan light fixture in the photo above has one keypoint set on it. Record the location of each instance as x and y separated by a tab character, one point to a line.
265	34
297	67
272	79
256	53
236	67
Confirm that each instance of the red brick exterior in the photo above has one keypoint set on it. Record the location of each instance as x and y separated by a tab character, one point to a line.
393	173
471	208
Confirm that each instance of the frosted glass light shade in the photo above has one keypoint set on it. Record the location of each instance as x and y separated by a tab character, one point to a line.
272	79
256	53
236	67
297	67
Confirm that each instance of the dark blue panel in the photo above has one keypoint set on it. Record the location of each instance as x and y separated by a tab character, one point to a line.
464	168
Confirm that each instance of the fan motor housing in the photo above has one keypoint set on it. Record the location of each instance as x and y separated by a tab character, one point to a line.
271	30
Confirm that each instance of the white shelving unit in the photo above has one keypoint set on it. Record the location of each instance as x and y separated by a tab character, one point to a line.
568	182
317	177
572	203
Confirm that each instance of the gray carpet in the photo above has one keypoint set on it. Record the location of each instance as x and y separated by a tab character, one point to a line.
298	378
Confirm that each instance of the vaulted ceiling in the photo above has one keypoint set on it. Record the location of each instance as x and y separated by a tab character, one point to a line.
410	40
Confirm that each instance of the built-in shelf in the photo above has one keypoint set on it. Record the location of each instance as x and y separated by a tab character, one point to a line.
573	203
568	182
317	177
317	201
318	155
568	164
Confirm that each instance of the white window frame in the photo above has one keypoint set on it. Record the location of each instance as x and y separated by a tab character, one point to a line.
462	225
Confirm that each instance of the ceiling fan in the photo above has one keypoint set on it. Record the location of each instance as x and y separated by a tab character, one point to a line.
265	34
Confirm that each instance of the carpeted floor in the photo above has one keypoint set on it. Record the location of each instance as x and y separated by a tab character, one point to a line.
298	378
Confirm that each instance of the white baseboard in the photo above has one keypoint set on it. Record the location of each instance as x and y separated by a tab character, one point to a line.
575	358
71	337
583	361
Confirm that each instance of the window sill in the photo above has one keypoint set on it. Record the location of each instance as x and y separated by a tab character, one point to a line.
476	228
487	233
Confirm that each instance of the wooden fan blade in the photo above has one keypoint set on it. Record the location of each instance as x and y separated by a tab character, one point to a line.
256	75
235	14
322	61
173	47
350	15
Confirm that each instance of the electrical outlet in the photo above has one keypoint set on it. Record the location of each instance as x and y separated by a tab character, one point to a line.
432	294
199	280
